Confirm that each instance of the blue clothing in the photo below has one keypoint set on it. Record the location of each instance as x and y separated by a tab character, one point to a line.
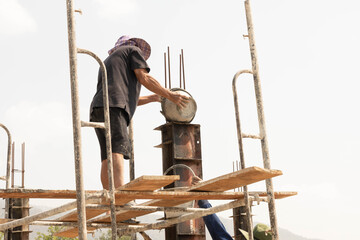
213	224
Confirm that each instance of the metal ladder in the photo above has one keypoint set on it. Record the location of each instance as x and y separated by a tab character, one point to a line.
77	124
262	135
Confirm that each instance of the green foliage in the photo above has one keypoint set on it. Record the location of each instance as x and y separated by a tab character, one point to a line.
50	234
107	236
1	235
54	229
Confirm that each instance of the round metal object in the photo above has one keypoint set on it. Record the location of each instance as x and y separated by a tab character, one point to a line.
174	113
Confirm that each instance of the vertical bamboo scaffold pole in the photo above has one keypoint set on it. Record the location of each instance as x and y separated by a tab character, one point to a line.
80	192
261	119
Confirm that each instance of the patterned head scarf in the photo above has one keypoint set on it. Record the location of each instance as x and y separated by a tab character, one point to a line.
127	40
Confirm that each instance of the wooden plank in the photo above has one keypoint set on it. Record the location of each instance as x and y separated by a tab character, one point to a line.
146	183
149	183
236	179
4	220
73	232
223	183
125	215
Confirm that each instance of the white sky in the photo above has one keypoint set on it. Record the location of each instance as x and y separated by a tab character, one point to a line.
308	54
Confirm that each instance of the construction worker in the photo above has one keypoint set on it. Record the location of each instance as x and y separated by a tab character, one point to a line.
127	70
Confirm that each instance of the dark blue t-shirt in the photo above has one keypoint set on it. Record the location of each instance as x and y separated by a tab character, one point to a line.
124	88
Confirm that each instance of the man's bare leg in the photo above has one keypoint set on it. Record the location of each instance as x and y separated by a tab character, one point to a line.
118	168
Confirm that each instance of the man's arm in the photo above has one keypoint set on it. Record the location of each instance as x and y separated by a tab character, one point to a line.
148	99
150	83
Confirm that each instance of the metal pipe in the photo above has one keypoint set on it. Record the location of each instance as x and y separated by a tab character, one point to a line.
107	137
76	121
261	119
241	151
7	178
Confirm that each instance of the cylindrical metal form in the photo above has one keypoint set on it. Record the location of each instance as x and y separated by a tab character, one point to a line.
261	119
76	121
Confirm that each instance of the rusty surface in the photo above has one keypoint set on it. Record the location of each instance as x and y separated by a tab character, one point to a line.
181	145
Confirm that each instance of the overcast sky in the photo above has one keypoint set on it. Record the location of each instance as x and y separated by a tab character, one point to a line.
308	56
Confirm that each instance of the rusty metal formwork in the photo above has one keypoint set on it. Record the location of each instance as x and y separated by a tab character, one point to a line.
181	155
262	127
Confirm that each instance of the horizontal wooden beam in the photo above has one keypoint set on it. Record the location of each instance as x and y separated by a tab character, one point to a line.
166	195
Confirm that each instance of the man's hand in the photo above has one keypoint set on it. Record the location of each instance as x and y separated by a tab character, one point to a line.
150	83
179	99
